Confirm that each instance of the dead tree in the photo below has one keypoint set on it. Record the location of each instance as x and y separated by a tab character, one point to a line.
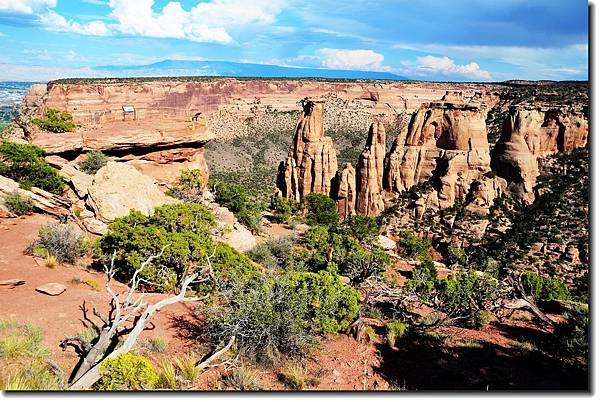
129	315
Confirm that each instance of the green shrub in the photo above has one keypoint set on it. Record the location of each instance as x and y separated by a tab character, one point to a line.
24	163
544	288
412	246
573	335
423	280
190	186
393	331
284	209
63	241
127	372
295	377
456	255
273	316
157	345
321	210
234	197
93	162
365	228
273	253
334	248
56	121
185	231
18	204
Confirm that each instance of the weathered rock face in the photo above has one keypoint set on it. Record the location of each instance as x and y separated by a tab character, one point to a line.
369	173
311	164
117	188
42	200
529	134
446	140
345	194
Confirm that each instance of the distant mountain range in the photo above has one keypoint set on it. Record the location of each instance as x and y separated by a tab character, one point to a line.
233	69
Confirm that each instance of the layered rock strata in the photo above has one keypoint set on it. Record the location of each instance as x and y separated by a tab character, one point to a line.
529	134
446	140
369	173
311	164
345	193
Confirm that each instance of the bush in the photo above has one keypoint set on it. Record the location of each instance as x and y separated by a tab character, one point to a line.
274	316
56	121
284	209
24	163
321	210
234	197
334	248
63	241
456	255
412	246
242	379
573	335
393	331
18	204
93	162
544	288
362	227
184	229
295	377
273	253
191	185
127	372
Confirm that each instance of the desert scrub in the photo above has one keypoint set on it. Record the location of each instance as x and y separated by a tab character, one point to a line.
55	121
24	163
127	372
186	367
394	330
184	232
63	241
276	316
241	379
544	288
191	185
17	203
321	210
295	377
235	198
167	376
273	253
157	345
23	359
412	246
93	284
94	160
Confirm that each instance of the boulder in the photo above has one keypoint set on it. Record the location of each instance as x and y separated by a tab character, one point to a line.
95	226
51	289
369	173
118	188
311	164
386	242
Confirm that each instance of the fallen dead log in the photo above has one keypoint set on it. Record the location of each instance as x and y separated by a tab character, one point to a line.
12	283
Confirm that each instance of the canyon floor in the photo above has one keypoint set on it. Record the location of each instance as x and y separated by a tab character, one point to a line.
502	355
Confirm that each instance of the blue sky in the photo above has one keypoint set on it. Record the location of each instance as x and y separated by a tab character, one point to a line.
458	40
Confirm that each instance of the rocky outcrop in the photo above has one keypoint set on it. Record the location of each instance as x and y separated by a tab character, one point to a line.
369	173
311	164
42	200
529	134
345	192
117	188
446	141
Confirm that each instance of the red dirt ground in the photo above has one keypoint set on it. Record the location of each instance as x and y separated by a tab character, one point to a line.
446	361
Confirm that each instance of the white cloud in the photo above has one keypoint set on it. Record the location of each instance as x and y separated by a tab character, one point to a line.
356	59
205	22
432	66
53	21
532	62
26	6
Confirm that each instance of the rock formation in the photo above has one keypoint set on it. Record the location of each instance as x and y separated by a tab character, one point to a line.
369	173
42	200
117	188
311	164
345	192
446	140
531	133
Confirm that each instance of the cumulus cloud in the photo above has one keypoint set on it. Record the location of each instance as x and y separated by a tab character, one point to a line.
431	66
53	21
26	6
356	59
